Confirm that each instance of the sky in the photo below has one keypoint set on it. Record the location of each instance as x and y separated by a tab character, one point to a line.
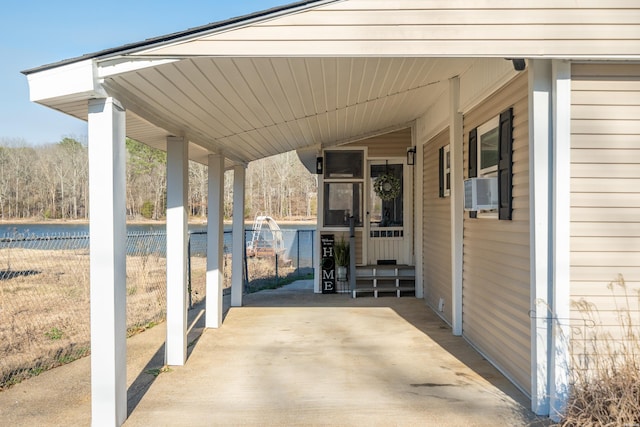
40	32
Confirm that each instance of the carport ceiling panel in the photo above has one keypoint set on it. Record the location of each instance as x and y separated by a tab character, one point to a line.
143	131
158	101
263	106
182	98
78	109
198	86
319	85
162	114
243	105
233	86
151	96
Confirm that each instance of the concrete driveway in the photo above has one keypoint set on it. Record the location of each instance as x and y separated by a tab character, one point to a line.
291	357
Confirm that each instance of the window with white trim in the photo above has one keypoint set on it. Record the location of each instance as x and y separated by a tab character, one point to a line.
488	148
445	171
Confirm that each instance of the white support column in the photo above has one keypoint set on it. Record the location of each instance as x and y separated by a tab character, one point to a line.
418	195
215	242
108	237
540	176
237	257
457	202
177	183
560	359
317	260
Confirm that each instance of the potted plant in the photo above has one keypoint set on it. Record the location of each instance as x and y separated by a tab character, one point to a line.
341	255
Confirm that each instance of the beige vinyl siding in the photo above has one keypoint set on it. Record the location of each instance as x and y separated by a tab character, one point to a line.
392	144
436	234
605	190
528	28
496	281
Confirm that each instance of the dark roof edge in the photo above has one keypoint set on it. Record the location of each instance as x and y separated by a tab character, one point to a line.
180	34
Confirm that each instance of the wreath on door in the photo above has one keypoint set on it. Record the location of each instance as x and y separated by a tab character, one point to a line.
387	186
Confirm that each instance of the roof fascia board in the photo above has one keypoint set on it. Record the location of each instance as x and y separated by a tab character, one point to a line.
114	67
75	80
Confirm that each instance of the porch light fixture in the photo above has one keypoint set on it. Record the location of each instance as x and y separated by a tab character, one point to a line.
319	163
411	156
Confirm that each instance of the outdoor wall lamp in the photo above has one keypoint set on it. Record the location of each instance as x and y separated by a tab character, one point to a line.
411	156
319	165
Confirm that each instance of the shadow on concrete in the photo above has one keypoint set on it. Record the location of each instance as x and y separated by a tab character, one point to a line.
156	364
144	380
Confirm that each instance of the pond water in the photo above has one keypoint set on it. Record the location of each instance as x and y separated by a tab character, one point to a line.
298	238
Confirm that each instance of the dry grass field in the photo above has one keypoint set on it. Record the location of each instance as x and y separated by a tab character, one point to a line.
44	305
605	366
44	302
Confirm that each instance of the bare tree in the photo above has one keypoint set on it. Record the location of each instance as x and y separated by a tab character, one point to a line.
198	177
73	155
51	181
146	177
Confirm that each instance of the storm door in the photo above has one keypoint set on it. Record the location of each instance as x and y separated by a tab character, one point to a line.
386	243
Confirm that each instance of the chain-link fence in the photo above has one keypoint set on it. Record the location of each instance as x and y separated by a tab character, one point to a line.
271	269
44	298
44	291
268	270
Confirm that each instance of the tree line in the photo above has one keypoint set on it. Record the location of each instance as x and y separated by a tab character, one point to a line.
52	182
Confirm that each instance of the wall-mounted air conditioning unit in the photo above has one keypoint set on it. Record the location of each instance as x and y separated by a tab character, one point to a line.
480	194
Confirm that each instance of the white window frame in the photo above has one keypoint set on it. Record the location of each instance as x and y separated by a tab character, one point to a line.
327	181
485	128
491	171
446	170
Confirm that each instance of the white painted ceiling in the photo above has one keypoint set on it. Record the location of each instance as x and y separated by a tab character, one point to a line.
250	108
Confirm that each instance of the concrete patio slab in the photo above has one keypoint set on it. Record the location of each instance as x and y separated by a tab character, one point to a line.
291	357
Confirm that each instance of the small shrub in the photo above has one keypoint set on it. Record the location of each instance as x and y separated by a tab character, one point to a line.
54	334
157	371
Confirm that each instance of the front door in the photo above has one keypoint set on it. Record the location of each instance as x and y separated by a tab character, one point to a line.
386	242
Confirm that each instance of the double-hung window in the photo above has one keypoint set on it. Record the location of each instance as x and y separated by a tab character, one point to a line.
488	144
490	155
445	171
